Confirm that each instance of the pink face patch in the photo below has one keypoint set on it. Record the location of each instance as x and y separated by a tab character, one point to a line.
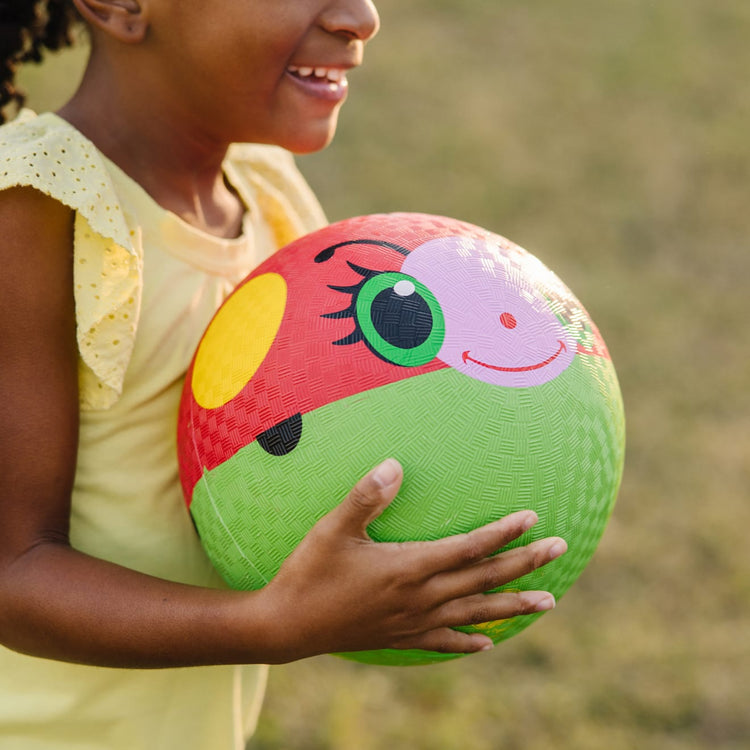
499	327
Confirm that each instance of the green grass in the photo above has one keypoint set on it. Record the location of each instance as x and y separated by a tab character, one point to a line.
609	137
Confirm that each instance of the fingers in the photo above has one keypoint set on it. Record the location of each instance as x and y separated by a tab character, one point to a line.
475	610
448	641
468	553
481	608
499	570
367	499
461	550
376	490
416	592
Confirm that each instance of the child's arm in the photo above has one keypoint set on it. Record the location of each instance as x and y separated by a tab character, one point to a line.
338	591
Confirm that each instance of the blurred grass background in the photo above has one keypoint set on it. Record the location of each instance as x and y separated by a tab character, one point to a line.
610	138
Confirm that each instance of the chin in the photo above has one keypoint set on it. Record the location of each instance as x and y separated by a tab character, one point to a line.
308	140
308	148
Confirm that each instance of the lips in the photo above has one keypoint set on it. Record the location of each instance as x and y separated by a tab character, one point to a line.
525	368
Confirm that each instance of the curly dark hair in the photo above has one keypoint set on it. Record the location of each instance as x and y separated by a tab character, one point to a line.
27	27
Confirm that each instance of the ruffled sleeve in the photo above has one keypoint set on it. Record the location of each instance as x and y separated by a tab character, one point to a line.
48	154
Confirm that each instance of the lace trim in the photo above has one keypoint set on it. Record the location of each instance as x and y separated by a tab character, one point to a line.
47	154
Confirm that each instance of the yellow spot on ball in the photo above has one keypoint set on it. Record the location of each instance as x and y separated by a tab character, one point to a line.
238	339
493	629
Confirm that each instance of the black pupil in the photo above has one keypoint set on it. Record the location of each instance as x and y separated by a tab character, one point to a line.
404	321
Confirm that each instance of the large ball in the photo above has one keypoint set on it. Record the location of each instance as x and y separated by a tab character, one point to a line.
416	336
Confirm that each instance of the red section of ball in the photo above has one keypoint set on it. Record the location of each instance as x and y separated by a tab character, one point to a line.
308	366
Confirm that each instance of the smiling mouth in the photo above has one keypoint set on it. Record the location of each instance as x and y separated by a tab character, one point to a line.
332	77
527	368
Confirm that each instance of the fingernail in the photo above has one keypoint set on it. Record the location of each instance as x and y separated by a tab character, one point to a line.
557	549
487	647
387	473
529	521
548	602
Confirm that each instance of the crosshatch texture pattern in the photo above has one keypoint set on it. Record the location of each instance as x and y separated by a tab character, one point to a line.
411	335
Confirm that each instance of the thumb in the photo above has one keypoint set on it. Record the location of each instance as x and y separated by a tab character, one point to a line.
368	498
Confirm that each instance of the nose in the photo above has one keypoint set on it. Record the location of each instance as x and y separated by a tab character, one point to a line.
355	19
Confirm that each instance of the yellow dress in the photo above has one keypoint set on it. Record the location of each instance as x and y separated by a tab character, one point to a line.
139	269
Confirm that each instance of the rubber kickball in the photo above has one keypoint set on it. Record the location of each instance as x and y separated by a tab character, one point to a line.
407	335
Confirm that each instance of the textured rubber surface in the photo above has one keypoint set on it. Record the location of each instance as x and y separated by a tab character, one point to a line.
520	407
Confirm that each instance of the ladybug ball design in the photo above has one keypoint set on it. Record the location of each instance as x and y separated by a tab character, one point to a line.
417	336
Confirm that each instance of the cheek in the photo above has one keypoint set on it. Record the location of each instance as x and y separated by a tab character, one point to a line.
517	349
238	339
498	329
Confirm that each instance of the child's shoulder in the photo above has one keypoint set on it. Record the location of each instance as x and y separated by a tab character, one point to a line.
50	155
47	153
44	139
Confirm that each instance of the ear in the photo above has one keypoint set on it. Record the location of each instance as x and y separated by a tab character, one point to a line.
124	20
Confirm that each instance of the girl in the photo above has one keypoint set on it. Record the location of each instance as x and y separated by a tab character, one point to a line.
126	218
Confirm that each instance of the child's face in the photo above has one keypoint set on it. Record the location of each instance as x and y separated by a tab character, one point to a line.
264	71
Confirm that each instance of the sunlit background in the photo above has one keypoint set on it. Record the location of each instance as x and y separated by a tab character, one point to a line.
610	138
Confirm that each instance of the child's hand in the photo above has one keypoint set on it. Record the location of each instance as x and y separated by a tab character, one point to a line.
341	591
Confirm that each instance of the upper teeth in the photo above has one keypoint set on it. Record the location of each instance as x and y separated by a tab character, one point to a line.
330	74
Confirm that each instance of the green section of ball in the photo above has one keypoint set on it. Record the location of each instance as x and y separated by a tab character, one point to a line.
472	452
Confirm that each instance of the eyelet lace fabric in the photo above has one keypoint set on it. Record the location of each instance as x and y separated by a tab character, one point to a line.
48	154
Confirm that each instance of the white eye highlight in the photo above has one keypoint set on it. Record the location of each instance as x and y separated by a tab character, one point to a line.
404	288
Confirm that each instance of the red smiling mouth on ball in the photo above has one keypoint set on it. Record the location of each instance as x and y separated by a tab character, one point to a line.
526	368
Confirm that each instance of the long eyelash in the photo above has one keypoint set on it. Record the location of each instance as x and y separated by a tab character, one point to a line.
350	312
366	273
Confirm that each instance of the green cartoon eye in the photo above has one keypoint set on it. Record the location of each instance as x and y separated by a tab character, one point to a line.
400	319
